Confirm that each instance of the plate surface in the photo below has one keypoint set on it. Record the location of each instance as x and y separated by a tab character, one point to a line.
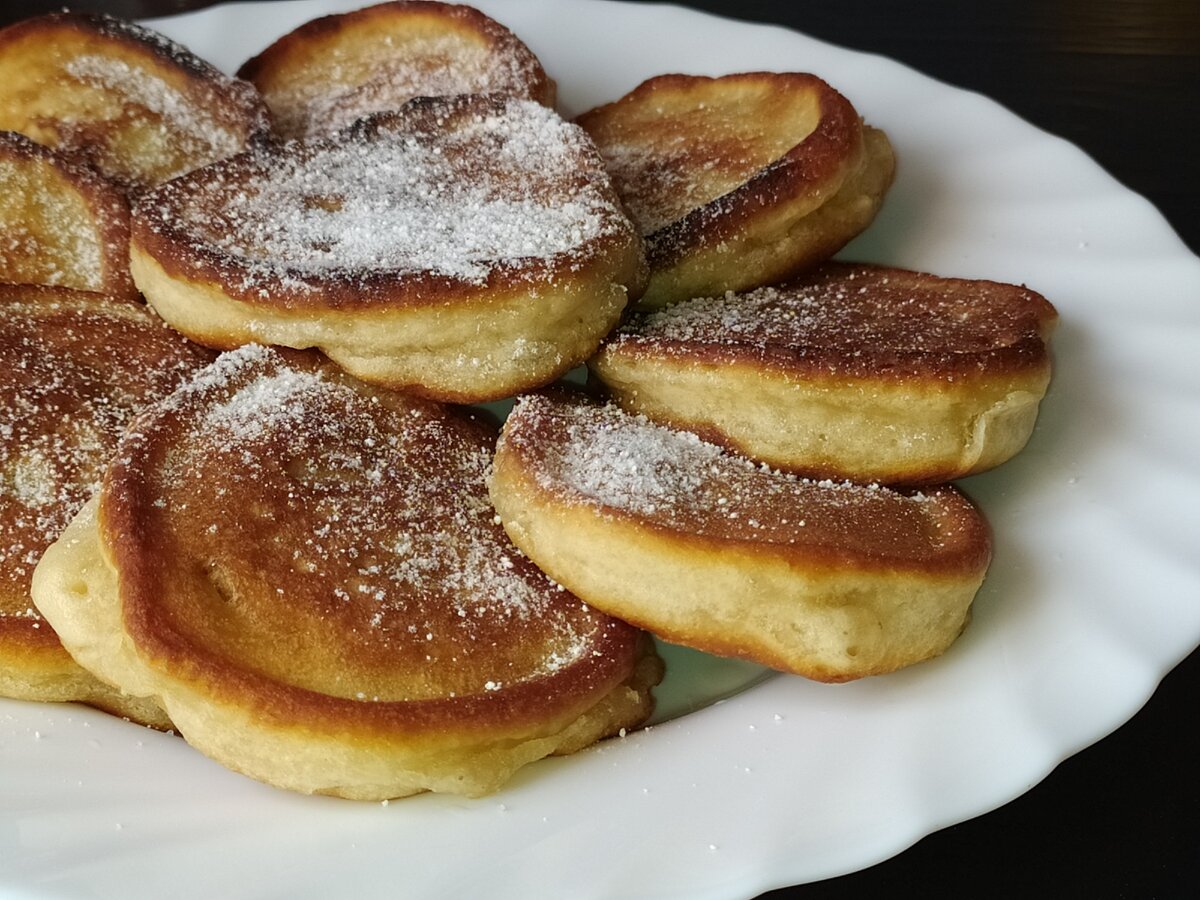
1093	596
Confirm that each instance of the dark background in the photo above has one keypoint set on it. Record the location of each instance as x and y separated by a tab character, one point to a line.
1121	79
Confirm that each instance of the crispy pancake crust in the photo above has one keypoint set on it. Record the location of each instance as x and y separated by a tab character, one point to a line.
333	70
60	223
77	367
136	106
833	581
462	248
859	372
308	575
741	180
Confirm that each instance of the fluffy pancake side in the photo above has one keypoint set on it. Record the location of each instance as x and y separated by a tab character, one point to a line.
60	223
833	581
334	70
741	180
78	366
851	372
139	108
308	575
462	248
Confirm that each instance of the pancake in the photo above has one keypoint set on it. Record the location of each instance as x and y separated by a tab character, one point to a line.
60	223
742	180
463	248
829	580
137	107
77	367
852	372
331	71
306	573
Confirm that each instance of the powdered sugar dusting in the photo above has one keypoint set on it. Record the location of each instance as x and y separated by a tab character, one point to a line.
179	115
847	316
318	496
641	468
73	377
442	65
662	183
454	191
267	404
617	462
766	314
674	148
47	235
139	107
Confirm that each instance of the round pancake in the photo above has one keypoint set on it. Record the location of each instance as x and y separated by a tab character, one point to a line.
463	248
61	224
137	107
742	180
306	572
833	581
77	367
334	70
851	372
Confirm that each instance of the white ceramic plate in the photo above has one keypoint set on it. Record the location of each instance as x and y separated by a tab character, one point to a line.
1091	599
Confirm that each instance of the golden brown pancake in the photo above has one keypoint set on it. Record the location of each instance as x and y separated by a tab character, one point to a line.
306	572
61	224
463	248
851	372
138	107
336	69
742	180
77	367
826	579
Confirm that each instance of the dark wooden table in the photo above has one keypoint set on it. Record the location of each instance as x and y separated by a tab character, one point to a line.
1121	78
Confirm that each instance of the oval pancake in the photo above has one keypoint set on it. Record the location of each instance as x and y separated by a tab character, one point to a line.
463	248
137	107
742	180
306	572
334	70
833	581
61	224
77	367
856	372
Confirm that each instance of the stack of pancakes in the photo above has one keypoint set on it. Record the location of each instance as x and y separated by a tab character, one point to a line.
313	556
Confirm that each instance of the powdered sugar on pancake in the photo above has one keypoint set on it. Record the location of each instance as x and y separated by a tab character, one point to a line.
74	375
848	315
136	106
621	463
663	182
59	214
334	70
443	65
310	494
180	116
457	190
